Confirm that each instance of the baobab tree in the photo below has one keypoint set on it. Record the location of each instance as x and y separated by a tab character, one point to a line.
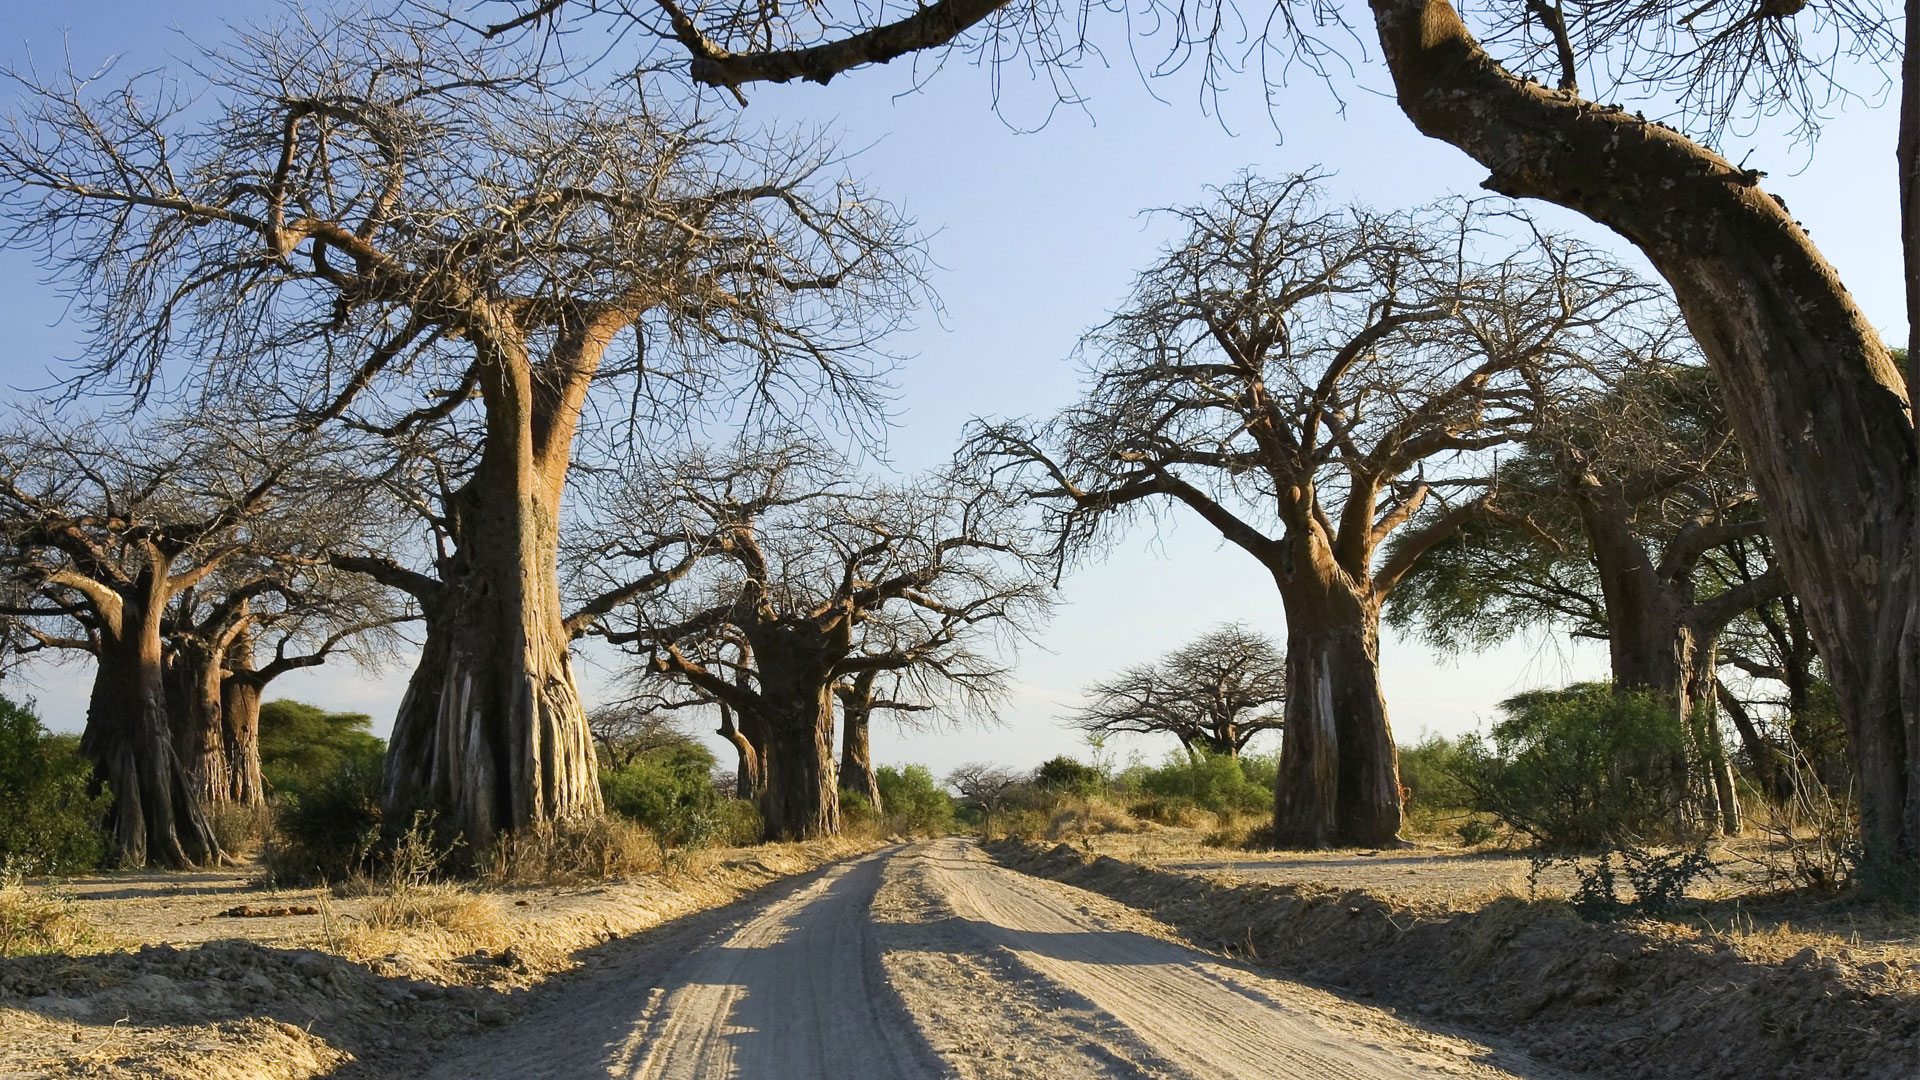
304	611
1310	381
390	227
1817	399
1214	694
103	532
1612	522
823	578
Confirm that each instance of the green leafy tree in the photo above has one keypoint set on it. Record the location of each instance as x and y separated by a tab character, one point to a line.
50	823
915	801
302	744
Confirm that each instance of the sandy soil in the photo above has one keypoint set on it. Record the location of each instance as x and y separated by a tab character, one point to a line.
1731	988
932	961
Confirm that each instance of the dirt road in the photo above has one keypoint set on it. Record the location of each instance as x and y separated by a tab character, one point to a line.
932	961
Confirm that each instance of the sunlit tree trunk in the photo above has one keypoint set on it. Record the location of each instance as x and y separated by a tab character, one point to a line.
856	754
157	816
801	800
194	707
1339	782
491	734
240	723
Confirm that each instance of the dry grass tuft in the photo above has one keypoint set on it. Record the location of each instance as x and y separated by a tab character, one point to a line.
33	921
572	853
241	830
434	919
1077	818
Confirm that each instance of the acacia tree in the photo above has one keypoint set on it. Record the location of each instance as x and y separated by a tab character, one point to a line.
1614	522
823	580
103	533
1292	374
1816	398
1214	693
392	227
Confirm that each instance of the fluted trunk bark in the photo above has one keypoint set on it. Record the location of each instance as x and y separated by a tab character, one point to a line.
1339	780
194	708
746	732
801	800
157	817
1818	404
240	726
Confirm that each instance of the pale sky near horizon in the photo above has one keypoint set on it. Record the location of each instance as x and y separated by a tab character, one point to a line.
1038	235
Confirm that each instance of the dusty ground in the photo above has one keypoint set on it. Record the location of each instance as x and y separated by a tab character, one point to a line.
932	961
172	988
1738	986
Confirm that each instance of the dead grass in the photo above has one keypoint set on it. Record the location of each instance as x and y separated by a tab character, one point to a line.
240	830
1076	818
572	853
35	922
436	919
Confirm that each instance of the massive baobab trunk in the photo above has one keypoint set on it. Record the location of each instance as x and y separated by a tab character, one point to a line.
1339	780
240	723
801	800
157	815
193	709
1820	407
491	734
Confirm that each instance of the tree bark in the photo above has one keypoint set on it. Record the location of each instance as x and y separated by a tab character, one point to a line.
1339	775
856	754
801	800
194	711
157	816
1819	406
491	734
240	723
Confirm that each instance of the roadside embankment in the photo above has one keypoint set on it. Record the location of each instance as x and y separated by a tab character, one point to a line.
285	987
1635	998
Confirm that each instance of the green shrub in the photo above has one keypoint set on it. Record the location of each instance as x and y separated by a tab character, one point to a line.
669	789
1065	776
302	745
327	827
916	803
857	816
1579	768
50	820
1213	782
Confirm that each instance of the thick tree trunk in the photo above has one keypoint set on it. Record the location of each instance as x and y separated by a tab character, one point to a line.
491	735
801	800
856	754
194	710
1818	404
240	724
157	817
1339	774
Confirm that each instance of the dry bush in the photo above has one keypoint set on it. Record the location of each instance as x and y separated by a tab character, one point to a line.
33	921
432	918
573	852
241	830
1178	813
1813	838
1015	825
1077	818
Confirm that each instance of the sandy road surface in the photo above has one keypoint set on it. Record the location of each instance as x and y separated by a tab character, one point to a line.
932	961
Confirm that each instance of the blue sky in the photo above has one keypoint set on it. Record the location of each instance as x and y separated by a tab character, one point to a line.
1038	235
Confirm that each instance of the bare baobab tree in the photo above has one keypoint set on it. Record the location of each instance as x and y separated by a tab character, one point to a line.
391	228
1214	693
807	580
1815	396
103	534
305	611
1311	381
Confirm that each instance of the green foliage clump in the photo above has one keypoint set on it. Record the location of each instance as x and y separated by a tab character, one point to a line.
1585	767
304	745
669	789
1218	783
1064	775
326	825
51	819
916	803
